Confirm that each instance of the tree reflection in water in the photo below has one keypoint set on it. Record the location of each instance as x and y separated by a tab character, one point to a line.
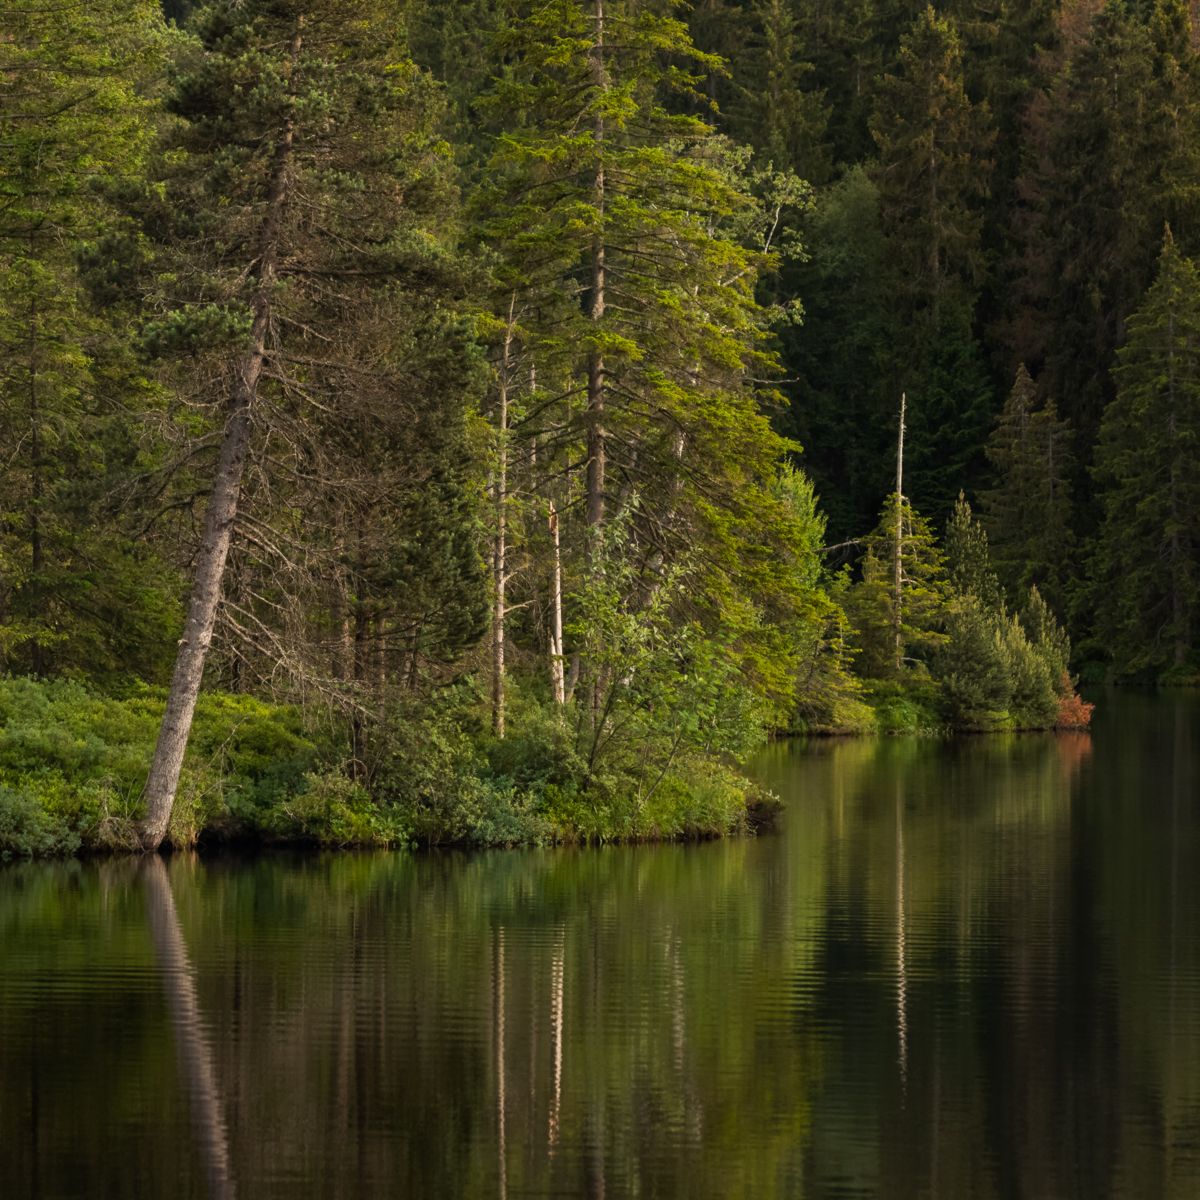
192	1046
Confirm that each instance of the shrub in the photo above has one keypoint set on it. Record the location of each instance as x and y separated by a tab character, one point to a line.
27	830
1073	711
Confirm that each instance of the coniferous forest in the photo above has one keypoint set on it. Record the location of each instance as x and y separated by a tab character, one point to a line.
489	421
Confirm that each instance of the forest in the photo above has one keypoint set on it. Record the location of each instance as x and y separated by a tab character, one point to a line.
489	421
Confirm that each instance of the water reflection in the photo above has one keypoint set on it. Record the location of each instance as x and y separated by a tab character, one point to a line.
187	1023
962	969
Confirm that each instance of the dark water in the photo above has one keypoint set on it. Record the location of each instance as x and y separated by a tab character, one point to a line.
958	970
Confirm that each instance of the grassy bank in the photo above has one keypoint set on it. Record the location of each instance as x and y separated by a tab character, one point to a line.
73	762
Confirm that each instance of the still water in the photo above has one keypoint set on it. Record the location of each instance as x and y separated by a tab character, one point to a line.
966	969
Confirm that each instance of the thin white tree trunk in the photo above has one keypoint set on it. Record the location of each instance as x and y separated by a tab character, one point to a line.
557	673
500	547
898	548
596	465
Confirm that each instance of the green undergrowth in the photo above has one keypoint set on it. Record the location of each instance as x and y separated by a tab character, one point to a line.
73	763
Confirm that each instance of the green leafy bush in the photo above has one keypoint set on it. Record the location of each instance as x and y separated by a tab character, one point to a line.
28	830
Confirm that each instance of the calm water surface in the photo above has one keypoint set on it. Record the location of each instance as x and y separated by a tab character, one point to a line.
958	970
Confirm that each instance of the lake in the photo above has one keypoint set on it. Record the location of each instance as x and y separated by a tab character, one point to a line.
957	969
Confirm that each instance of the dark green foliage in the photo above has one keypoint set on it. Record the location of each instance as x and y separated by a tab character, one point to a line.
951	404
968	557
838	356
933	172
1028	512
1147	570
77	591
1115	156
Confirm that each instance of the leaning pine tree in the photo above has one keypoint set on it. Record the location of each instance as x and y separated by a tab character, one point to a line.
303	182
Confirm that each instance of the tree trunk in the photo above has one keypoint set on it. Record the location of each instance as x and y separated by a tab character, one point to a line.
595	383
163	778
597	450
37	560
1179	583
500	546
557	677
898	547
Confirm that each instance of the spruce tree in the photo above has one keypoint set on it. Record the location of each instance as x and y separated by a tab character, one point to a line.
871	603
76	591
777	108
1028	512
635	239
305	195
933	172
1148	467
968	558
1114	154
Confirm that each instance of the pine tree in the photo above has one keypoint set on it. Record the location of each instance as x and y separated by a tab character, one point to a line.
968	557
871	603
635	238
75	589
1028	512
933	179
1148	553
1114	154
306	198
933	171
840	409
777	108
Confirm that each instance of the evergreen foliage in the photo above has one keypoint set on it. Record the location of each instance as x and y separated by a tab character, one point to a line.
1028	512
872	603
1148	552
482	363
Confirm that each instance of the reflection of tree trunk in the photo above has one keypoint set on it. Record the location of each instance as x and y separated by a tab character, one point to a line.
556	1025
898	548
1179	781
557	677
901	949
191	1039
498	1017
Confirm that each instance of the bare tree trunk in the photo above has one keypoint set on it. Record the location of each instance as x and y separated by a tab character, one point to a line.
340	652
596	436
898	548
163	778
595	385
557	677
1181	635
500	547
37	561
